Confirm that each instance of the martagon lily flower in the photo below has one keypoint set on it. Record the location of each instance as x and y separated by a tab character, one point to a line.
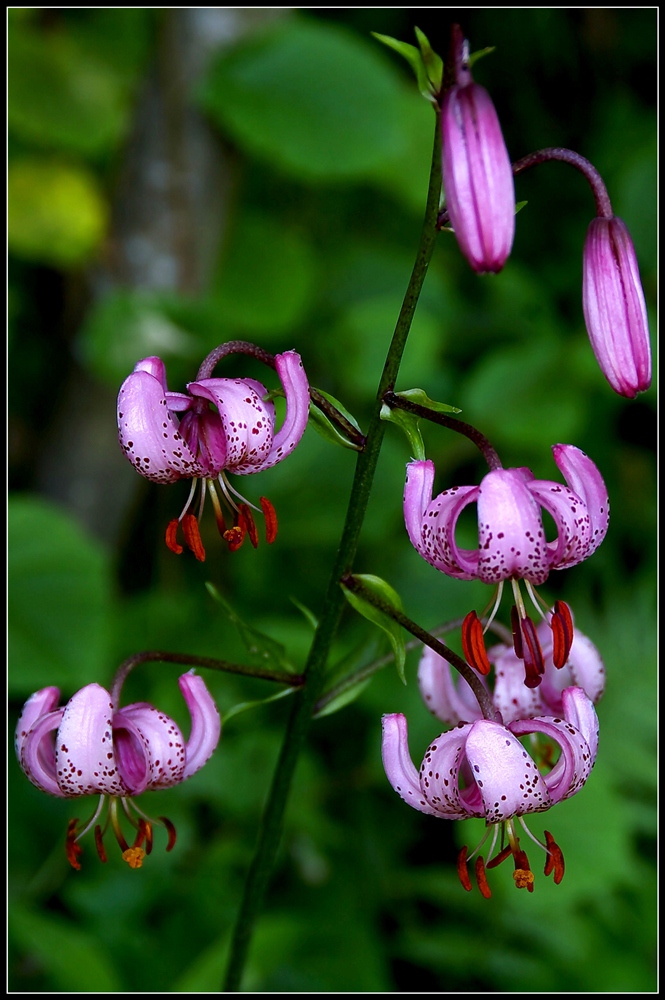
205	444
480	769
92	747
477	173
454	702
511	539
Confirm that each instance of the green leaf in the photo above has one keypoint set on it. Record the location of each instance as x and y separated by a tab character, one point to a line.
414	58
519	205
56	212
480	54
390	596
433	62
245	705
325	427
344	698
76	959
309	615
308	98
410	424
59	598
420	397
261	648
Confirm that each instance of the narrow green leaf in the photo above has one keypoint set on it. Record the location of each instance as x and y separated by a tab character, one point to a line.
261	648
243	706
433	62
390	596
420	396
309	615
325	427
344	698
410	424
480	54
519	205
414	59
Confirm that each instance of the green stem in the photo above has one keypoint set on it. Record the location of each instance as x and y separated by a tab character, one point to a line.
154	655
272	820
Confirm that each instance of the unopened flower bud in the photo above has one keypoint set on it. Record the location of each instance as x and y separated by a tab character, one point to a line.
614	307
477	176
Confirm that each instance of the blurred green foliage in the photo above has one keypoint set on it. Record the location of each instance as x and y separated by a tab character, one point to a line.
332	144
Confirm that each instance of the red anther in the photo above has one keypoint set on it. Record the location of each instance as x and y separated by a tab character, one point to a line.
533	654
143	833
473	643
501	856
250	524
171	541
235	536
190	529
170	829
99	843
271	519
72	849
555	862
562	633
148	837
462	869
481	878
517	632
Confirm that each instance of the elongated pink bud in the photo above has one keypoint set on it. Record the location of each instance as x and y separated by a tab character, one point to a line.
477	176
614	307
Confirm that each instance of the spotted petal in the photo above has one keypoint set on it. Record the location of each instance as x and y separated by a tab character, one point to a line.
149	747
248	422
511	539
206	723
439	776
148	433
584	478
296	388
507	778
84	756
399	767
431	524
37	755
511	695
38	704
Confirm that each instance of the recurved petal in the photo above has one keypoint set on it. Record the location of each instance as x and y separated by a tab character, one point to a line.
296	387
84	756
431	524
439	777
248	422
417	496
450	702
38	704
37	756
578	709
399	767
511	695
584	478
159	760
511	539
507	778
153	366
148	433
571	519
206	723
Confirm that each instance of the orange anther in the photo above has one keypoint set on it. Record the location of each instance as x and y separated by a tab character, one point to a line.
235	537
562	633
250	524
271	519
190	529
72	849
171	540
462	869
555	862
134	856
473	643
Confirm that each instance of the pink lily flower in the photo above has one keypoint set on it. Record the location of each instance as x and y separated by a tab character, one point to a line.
92	747
477	173
454	702
614	308
238	436
480	769
511	540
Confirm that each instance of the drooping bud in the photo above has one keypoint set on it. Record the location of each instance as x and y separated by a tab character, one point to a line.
477	173
614	307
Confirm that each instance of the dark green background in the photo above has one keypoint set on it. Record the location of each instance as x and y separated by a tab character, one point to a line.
328	145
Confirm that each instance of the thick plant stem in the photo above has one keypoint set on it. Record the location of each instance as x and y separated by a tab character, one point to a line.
305	700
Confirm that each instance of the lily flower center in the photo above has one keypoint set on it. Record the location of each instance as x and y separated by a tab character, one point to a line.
135	854
523	875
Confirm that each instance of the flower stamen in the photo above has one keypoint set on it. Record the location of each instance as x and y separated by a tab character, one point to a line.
473	643
562	633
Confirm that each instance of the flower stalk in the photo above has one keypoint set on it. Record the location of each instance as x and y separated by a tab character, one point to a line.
305	700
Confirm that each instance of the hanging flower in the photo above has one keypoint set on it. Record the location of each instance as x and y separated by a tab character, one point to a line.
92	747
454	702
511	539
614	307
477	173
203	445
480	769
